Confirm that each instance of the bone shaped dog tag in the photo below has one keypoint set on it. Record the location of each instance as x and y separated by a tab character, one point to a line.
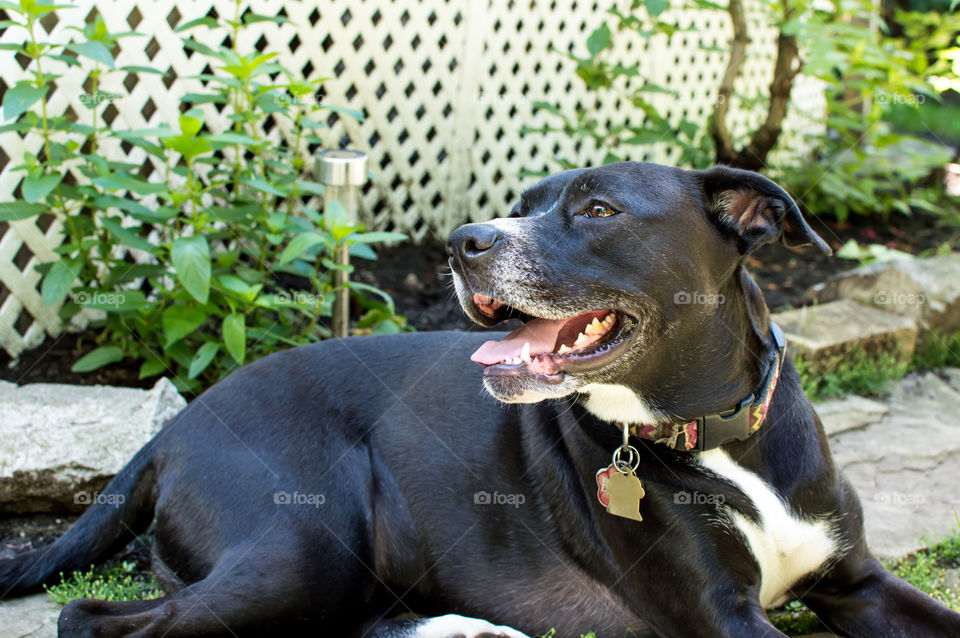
625	490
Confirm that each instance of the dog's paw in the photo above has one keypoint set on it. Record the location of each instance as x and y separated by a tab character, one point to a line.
453	626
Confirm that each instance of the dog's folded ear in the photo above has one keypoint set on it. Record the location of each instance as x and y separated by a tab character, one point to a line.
755	209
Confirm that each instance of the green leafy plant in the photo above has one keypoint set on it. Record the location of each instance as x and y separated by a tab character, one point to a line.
117	580
861	165
221	260
937	351
870	253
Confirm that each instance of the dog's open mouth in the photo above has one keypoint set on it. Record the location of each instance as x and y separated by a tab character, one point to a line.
548	347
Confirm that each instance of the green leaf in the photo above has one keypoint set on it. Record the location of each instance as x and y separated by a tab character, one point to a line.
336	220
128	183
374	237
18	99
260	185
104	355
15	211
151	368
235	336
299	244
205	21
656	7
127	236
179	321
598	40
202	359
190	125
58	281
110	301
35	189
233	138
191	260
96	51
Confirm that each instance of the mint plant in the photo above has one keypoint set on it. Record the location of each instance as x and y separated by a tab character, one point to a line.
222	260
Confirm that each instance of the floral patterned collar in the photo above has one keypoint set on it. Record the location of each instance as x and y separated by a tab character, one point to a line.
712	431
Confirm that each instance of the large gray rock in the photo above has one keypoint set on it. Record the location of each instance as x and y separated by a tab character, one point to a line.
825	333
61	444
850	413
34	617
905	464
926	290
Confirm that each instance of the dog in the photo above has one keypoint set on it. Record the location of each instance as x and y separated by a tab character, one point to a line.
636	459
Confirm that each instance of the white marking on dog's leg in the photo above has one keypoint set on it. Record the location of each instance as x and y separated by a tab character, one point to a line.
786	547
454	625
617	403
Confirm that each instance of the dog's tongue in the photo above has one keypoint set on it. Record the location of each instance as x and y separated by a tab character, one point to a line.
540	333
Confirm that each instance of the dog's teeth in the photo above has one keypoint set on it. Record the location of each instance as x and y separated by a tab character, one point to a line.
525	353
564	349
609	319
594	327
580	339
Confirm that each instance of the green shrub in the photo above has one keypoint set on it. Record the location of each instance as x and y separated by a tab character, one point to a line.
861	166
220	262
937	351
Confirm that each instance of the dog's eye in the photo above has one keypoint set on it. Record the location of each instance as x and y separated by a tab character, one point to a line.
598	210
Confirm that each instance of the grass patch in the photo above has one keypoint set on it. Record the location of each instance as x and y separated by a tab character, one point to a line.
855	372
926	570
938	351
115	580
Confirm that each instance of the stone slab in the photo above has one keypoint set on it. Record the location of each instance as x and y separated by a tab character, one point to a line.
60	444
926	290
823	333
30	617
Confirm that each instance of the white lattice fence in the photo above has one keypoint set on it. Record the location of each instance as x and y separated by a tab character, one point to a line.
445	85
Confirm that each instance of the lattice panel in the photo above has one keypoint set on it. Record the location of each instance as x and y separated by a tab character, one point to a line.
446	87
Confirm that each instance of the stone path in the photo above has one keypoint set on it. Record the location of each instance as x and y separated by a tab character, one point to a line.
902	453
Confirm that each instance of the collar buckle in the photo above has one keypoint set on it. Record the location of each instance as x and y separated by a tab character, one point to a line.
716	429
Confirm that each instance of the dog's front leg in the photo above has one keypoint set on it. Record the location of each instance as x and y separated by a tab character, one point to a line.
860	599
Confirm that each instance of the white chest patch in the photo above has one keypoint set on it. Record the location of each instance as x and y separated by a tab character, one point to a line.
610	402
786	547
454	625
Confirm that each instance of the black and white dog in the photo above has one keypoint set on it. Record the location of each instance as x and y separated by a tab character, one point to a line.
647	465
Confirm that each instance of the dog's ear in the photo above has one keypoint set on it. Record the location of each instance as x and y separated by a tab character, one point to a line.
756	210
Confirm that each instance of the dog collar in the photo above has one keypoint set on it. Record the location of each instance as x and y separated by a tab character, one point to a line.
712	431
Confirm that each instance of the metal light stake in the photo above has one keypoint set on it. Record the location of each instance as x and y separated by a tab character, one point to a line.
342	173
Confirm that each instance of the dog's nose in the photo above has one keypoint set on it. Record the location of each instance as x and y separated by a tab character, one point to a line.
474	242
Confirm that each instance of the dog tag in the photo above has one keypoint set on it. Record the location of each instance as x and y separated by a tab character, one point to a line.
620	493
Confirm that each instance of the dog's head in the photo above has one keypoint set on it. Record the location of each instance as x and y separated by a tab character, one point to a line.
604	264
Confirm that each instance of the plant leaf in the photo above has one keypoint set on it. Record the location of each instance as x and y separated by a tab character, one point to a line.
58	280
374	237
96	51
298	244
15	211
235	336
104	355
20	98
202	359
127	236
191	260
35	189
179	321
598	40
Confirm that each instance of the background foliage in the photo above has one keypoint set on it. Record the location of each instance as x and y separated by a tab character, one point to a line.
220	263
